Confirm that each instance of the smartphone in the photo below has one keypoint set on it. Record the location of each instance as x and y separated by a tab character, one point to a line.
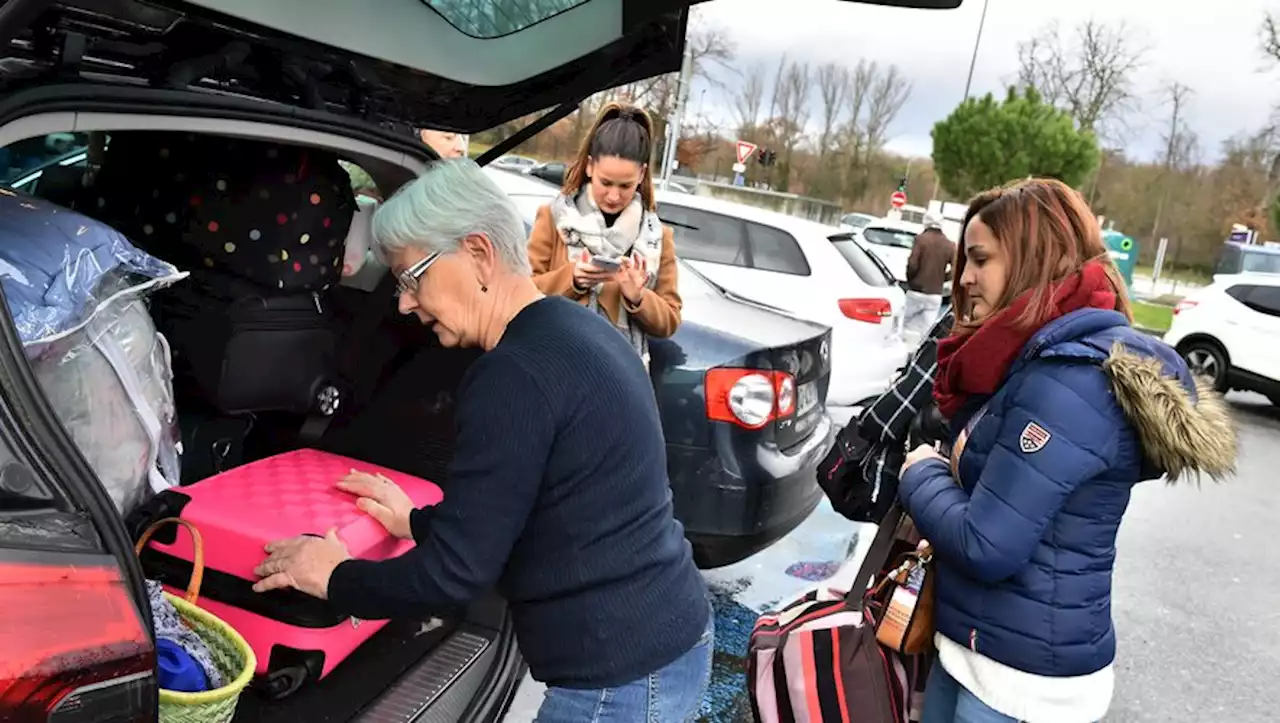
605	263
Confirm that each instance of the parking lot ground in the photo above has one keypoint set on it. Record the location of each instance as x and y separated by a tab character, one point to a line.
1196	601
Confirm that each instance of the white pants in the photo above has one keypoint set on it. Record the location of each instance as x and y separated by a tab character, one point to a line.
921	312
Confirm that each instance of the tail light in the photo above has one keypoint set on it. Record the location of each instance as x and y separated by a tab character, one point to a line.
869	310
74	648
1184	305
749	398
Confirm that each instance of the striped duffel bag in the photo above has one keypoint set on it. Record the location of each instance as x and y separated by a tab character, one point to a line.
817	660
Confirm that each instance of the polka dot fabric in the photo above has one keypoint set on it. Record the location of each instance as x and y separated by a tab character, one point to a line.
270	213
241	510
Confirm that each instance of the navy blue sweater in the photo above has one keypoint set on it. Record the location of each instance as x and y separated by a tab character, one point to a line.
558	496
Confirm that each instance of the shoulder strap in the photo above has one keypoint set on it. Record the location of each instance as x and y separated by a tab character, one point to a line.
957	449
877	555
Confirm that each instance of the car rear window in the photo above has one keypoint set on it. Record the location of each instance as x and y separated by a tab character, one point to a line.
709	237
889	237
773	249
495	18
863	265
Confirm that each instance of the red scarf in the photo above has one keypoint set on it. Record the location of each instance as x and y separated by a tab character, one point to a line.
976	364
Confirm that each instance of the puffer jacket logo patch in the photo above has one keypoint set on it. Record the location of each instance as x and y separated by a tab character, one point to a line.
1033	438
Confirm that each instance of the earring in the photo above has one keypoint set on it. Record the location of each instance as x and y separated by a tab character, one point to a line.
484	289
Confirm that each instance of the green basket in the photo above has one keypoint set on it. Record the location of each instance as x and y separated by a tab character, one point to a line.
230	652
232	655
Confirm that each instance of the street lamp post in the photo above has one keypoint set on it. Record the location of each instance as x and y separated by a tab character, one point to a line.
968	83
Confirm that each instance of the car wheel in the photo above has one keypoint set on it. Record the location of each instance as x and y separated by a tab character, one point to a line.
1207	359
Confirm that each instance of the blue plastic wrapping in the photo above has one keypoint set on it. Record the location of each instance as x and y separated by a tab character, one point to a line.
76	290
53	260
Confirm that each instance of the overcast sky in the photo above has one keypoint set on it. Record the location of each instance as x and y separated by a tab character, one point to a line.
1211	46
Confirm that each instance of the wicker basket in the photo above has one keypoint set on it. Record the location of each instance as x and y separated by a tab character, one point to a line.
232	655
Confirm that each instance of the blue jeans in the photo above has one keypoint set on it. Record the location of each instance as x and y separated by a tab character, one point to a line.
946	701
669	695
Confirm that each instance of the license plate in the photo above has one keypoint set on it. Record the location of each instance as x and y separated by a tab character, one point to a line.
807	398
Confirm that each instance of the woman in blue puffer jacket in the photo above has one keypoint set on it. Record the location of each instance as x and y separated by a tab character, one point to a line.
1058	407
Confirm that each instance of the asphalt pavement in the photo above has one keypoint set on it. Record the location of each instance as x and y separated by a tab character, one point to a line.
1196	593
1197	590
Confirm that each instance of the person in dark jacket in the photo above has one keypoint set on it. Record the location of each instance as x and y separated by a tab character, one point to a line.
558	493
928	269
1058	407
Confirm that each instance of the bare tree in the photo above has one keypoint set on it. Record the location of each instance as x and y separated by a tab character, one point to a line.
1179	146
793	107
789	113
748	101
1090	78
851	140
887	96
1270	32
833	87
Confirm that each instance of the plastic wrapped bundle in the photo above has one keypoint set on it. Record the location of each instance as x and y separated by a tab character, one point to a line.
76	290
53	260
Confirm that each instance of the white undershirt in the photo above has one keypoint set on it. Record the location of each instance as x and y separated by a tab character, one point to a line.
1024	696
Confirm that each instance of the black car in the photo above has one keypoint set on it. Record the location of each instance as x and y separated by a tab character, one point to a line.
76	627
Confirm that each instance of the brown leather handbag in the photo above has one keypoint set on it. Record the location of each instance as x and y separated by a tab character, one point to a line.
903	597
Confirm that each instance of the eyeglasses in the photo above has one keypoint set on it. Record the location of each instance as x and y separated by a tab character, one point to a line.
407	280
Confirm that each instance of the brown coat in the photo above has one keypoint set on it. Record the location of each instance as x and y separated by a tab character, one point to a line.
658	313
930	263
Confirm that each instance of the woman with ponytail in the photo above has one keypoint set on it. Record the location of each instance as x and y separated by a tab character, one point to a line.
600	242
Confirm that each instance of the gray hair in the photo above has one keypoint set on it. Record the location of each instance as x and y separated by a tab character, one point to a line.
451	200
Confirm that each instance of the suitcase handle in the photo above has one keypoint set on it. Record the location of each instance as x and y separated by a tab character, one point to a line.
197	544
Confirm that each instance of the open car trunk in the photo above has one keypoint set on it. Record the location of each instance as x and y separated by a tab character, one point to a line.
400	415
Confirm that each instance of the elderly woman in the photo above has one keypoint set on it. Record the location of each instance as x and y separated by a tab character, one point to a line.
558	493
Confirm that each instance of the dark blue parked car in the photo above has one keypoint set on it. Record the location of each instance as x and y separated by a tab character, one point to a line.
742	475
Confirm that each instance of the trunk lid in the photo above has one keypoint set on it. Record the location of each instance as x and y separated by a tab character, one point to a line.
460	65
785	343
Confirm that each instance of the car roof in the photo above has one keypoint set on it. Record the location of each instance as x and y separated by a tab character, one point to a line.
1255	248
892	225
793	224
1252	278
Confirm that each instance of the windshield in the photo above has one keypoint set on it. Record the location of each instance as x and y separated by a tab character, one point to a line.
889	237
856	221
1260	262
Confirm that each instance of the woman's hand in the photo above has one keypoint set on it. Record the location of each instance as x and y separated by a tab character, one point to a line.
304	563
587	274
381	499
632	278
920	454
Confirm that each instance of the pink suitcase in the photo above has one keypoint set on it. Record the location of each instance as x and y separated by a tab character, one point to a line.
295	636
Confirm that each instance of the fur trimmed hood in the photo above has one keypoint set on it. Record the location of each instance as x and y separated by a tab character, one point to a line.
1184	432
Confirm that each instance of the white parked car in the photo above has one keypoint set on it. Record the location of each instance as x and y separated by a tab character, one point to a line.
1229	332
891	241
856	221
792	264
